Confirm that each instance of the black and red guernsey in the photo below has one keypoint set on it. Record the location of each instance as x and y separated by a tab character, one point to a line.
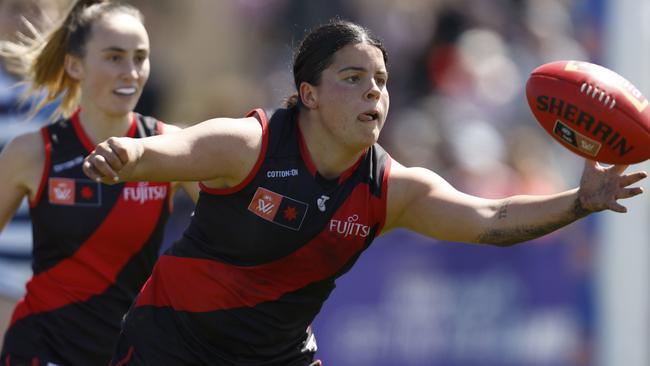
94	247
258	260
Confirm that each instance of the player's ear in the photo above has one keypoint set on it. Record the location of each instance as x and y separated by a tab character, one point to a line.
73	67
308	95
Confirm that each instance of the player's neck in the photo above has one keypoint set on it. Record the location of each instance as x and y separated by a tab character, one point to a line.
100	126
330	156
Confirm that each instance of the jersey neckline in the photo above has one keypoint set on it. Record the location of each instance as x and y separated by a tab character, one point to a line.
83	137
311	167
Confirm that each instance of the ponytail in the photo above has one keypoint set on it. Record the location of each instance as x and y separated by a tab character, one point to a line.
292	101
39	58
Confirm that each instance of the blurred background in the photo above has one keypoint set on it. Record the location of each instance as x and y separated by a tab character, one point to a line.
457	75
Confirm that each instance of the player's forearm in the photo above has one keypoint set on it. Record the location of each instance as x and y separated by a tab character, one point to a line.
163	158
521	218
169	157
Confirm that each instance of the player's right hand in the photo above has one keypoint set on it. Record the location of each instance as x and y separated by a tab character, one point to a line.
113	160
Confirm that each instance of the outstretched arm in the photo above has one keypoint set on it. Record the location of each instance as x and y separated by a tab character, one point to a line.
190	187
219	152
420	200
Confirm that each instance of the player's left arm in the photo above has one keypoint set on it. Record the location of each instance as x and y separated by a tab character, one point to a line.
422	201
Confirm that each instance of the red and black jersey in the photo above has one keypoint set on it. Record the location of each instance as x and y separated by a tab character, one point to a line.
258	260
94	247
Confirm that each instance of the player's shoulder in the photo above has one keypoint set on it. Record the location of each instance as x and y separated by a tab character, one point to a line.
397	170
246	128
30	143
413	180
24	151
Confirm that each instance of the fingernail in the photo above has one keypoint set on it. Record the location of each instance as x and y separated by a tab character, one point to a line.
116	178
98	179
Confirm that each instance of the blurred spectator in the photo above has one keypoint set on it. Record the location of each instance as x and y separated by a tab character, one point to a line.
39	13
15	18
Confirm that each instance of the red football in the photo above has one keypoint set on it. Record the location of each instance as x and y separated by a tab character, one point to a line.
591	110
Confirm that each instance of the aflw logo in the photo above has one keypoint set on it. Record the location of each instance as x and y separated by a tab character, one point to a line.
74	192
62	193
278	209
144	192
350	227
265	204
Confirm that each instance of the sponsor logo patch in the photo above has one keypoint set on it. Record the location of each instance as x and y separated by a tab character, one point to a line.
282	173
576	139
74	192
349	227
321	203
58	168
142	192
278	209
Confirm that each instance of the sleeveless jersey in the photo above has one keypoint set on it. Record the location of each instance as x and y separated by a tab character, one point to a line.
258	260
94	247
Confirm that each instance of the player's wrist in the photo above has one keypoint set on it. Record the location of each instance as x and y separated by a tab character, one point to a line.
582	205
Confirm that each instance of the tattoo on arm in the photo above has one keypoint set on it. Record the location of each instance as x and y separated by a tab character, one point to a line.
578	210
516	234
511	236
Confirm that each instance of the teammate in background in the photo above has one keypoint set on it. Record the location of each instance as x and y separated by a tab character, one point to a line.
288	205
94	245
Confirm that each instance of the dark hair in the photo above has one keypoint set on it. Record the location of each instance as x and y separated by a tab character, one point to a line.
316	51
41	59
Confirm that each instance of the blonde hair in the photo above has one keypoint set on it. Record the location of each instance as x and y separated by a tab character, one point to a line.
39	58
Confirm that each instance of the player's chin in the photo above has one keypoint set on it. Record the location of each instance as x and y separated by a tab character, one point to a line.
369	138
123	105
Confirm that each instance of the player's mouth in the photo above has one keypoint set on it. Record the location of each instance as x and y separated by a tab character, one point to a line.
125	91
369	116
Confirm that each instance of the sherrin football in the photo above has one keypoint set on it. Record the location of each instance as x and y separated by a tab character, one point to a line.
591	110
